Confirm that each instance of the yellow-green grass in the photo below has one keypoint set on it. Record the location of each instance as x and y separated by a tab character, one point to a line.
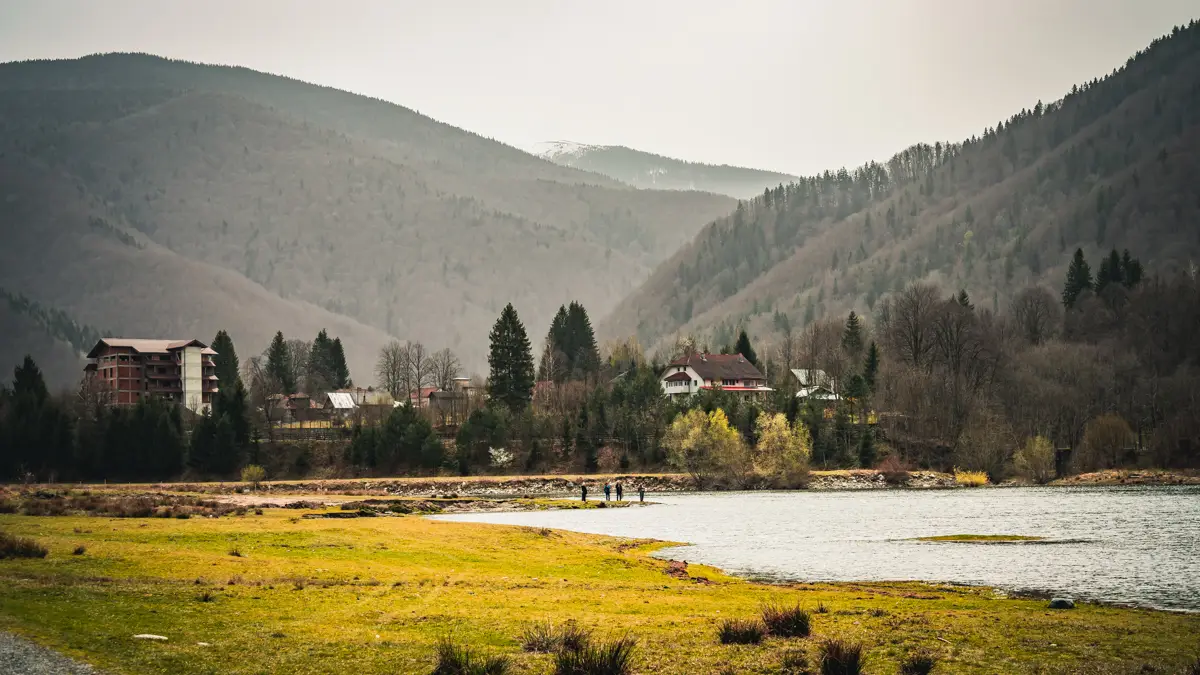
970	478
374	595
981	537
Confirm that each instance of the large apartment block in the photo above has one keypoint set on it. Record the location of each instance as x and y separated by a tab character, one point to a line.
177	370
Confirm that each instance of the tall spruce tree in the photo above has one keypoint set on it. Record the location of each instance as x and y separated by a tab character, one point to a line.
584	356
320	363
511	363
279	365
871	367
852	340
1079	279
337	362
554	361
226	360
963	299
1131	270
743	347
1109	272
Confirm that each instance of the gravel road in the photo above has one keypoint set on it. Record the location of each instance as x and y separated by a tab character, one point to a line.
19	656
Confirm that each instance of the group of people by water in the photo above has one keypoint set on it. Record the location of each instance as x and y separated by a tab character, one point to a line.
608	491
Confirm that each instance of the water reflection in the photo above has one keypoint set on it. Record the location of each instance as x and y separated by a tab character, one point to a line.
1123	545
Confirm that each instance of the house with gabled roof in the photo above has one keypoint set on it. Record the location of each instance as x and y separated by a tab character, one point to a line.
692	373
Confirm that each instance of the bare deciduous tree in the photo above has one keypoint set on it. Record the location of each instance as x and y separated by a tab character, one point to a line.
1037	314
445	367
906	323
391	369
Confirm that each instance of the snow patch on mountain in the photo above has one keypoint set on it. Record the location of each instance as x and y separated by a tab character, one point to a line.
562	151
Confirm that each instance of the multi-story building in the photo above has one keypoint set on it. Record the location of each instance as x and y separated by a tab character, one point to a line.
177	370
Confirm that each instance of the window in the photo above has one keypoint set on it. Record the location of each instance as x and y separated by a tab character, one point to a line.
728	383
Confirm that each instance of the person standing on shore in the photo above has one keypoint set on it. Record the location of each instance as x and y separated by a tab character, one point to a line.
641	493
620	491
583	491
607	490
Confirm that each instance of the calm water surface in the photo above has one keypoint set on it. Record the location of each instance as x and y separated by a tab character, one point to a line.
1122	545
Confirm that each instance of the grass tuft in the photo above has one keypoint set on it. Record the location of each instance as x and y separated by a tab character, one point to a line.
454	659
206	596
235	552
970	478
918	663
840	657
786	622
79	550
20	547
821	608
603	658
741	632
794	662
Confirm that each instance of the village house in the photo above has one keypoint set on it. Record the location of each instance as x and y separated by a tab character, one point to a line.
815	385
690	374
130	369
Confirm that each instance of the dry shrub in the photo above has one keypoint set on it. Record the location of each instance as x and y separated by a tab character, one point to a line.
20	547
970	478
894	471
1105	440
603	658
455	659
918	663
1035	461
840	657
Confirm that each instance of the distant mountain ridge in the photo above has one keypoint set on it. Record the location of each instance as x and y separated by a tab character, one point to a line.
1112	164
158	197
649	171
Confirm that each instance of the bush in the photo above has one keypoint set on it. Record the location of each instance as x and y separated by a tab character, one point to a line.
453	659
919	663
18	547
970	478
254	474
605	658
741	632
1105	440
893	471
840	657
786	621
1035	461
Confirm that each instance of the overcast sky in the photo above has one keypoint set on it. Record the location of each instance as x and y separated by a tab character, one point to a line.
792	85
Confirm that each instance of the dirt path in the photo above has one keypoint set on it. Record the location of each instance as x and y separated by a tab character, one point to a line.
19	656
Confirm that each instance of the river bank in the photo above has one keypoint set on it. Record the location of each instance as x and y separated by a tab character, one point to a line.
279	593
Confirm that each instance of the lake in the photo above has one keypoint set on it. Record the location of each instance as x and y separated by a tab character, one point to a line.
1126	545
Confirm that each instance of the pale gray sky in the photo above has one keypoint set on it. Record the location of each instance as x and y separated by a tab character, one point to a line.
792	85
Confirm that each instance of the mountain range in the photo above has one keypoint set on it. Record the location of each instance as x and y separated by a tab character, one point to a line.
171	199
655	172
1113	164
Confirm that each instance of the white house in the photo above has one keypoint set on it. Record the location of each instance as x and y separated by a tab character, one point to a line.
688	375
815	384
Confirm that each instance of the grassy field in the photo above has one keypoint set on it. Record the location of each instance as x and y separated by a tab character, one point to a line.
276	593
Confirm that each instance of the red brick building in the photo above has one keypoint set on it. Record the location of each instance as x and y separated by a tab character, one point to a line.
177	370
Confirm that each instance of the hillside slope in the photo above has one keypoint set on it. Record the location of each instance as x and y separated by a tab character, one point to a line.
261	203
1112	164
655	172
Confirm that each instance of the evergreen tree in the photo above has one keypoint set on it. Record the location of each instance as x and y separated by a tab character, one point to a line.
554	362
1109	272
231	404
583	354
320	363
1079	279
1131	270
963	299
28	382
871	367
226	360
866	449
852	340
337	360
279	365
511	363
743	347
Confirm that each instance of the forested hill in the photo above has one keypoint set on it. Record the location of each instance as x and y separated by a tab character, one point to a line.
646	170
163	198
1112	164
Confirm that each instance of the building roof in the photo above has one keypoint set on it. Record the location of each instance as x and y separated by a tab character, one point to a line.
148	346
678	377
817	393
340	400
720	366
810	377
